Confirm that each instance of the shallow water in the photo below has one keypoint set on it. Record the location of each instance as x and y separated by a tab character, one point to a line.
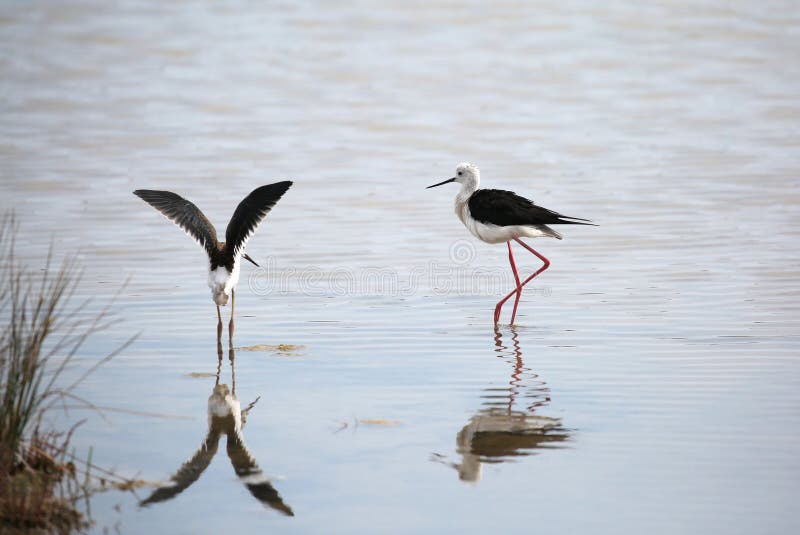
652	382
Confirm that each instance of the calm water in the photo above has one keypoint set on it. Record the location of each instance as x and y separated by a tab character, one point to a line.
653	381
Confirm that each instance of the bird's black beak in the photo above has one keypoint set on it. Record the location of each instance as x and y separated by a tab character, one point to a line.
247	257
443	182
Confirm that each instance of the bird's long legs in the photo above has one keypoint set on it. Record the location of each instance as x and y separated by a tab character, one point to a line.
518	289
516	277
230	324
230	328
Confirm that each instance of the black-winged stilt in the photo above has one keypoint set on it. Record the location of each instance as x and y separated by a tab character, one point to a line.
498	216
224	257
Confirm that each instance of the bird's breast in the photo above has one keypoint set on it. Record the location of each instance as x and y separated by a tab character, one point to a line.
462	210
464	215
222	282
218	276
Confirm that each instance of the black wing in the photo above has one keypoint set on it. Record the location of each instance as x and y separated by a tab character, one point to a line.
504	208
252	476
184	214
188	473
249	214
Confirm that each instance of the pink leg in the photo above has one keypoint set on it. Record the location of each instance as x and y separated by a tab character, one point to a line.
499	306
519	285
518	290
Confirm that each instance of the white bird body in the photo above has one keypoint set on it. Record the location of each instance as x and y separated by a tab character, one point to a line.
222	282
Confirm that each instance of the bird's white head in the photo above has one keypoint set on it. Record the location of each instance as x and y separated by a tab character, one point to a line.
467	175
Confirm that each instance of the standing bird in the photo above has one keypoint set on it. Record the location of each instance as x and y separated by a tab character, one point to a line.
224	257
498	216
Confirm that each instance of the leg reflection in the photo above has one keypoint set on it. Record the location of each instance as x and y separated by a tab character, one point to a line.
230	323
219	332
501	430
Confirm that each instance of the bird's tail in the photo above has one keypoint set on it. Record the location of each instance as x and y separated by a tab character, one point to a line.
569	220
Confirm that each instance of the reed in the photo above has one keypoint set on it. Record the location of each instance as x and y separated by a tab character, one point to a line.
41	331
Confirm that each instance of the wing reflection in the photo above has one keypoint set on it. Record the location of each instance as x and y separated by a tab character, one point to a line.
225	417
507	425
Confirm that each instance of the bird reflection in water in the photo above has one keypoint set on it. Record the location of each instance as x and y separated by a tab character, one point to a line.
225	417
507	425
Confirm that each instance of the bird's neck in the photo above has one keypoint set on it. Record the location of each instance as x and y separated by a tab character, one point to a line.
462	198
467	189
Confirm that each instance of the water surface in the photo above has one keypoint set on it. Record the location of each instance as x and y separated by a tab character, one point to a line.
652	382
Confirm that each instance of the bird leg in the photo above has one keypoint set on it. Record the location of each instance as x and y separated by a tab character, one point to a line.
538	255
230	324
517	290
526	281
516	277
219	333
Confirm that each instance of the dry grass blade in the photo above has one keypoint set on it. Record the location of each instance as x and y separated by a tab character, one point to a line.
40	334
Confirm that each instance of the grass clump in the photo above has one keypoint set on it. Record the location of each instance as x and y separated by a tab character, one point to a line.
40	333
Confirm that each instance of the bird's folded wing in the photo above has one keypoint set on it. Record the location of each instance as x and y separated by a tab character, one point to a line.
504	208
184	214
188	473
249	214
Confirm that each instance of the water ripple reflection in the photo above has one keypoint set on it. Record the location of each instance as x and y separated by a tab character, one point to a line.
507	425
225	417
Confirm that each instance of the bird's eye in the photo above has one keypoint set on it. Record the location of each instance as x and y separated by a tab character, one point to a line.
460	173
